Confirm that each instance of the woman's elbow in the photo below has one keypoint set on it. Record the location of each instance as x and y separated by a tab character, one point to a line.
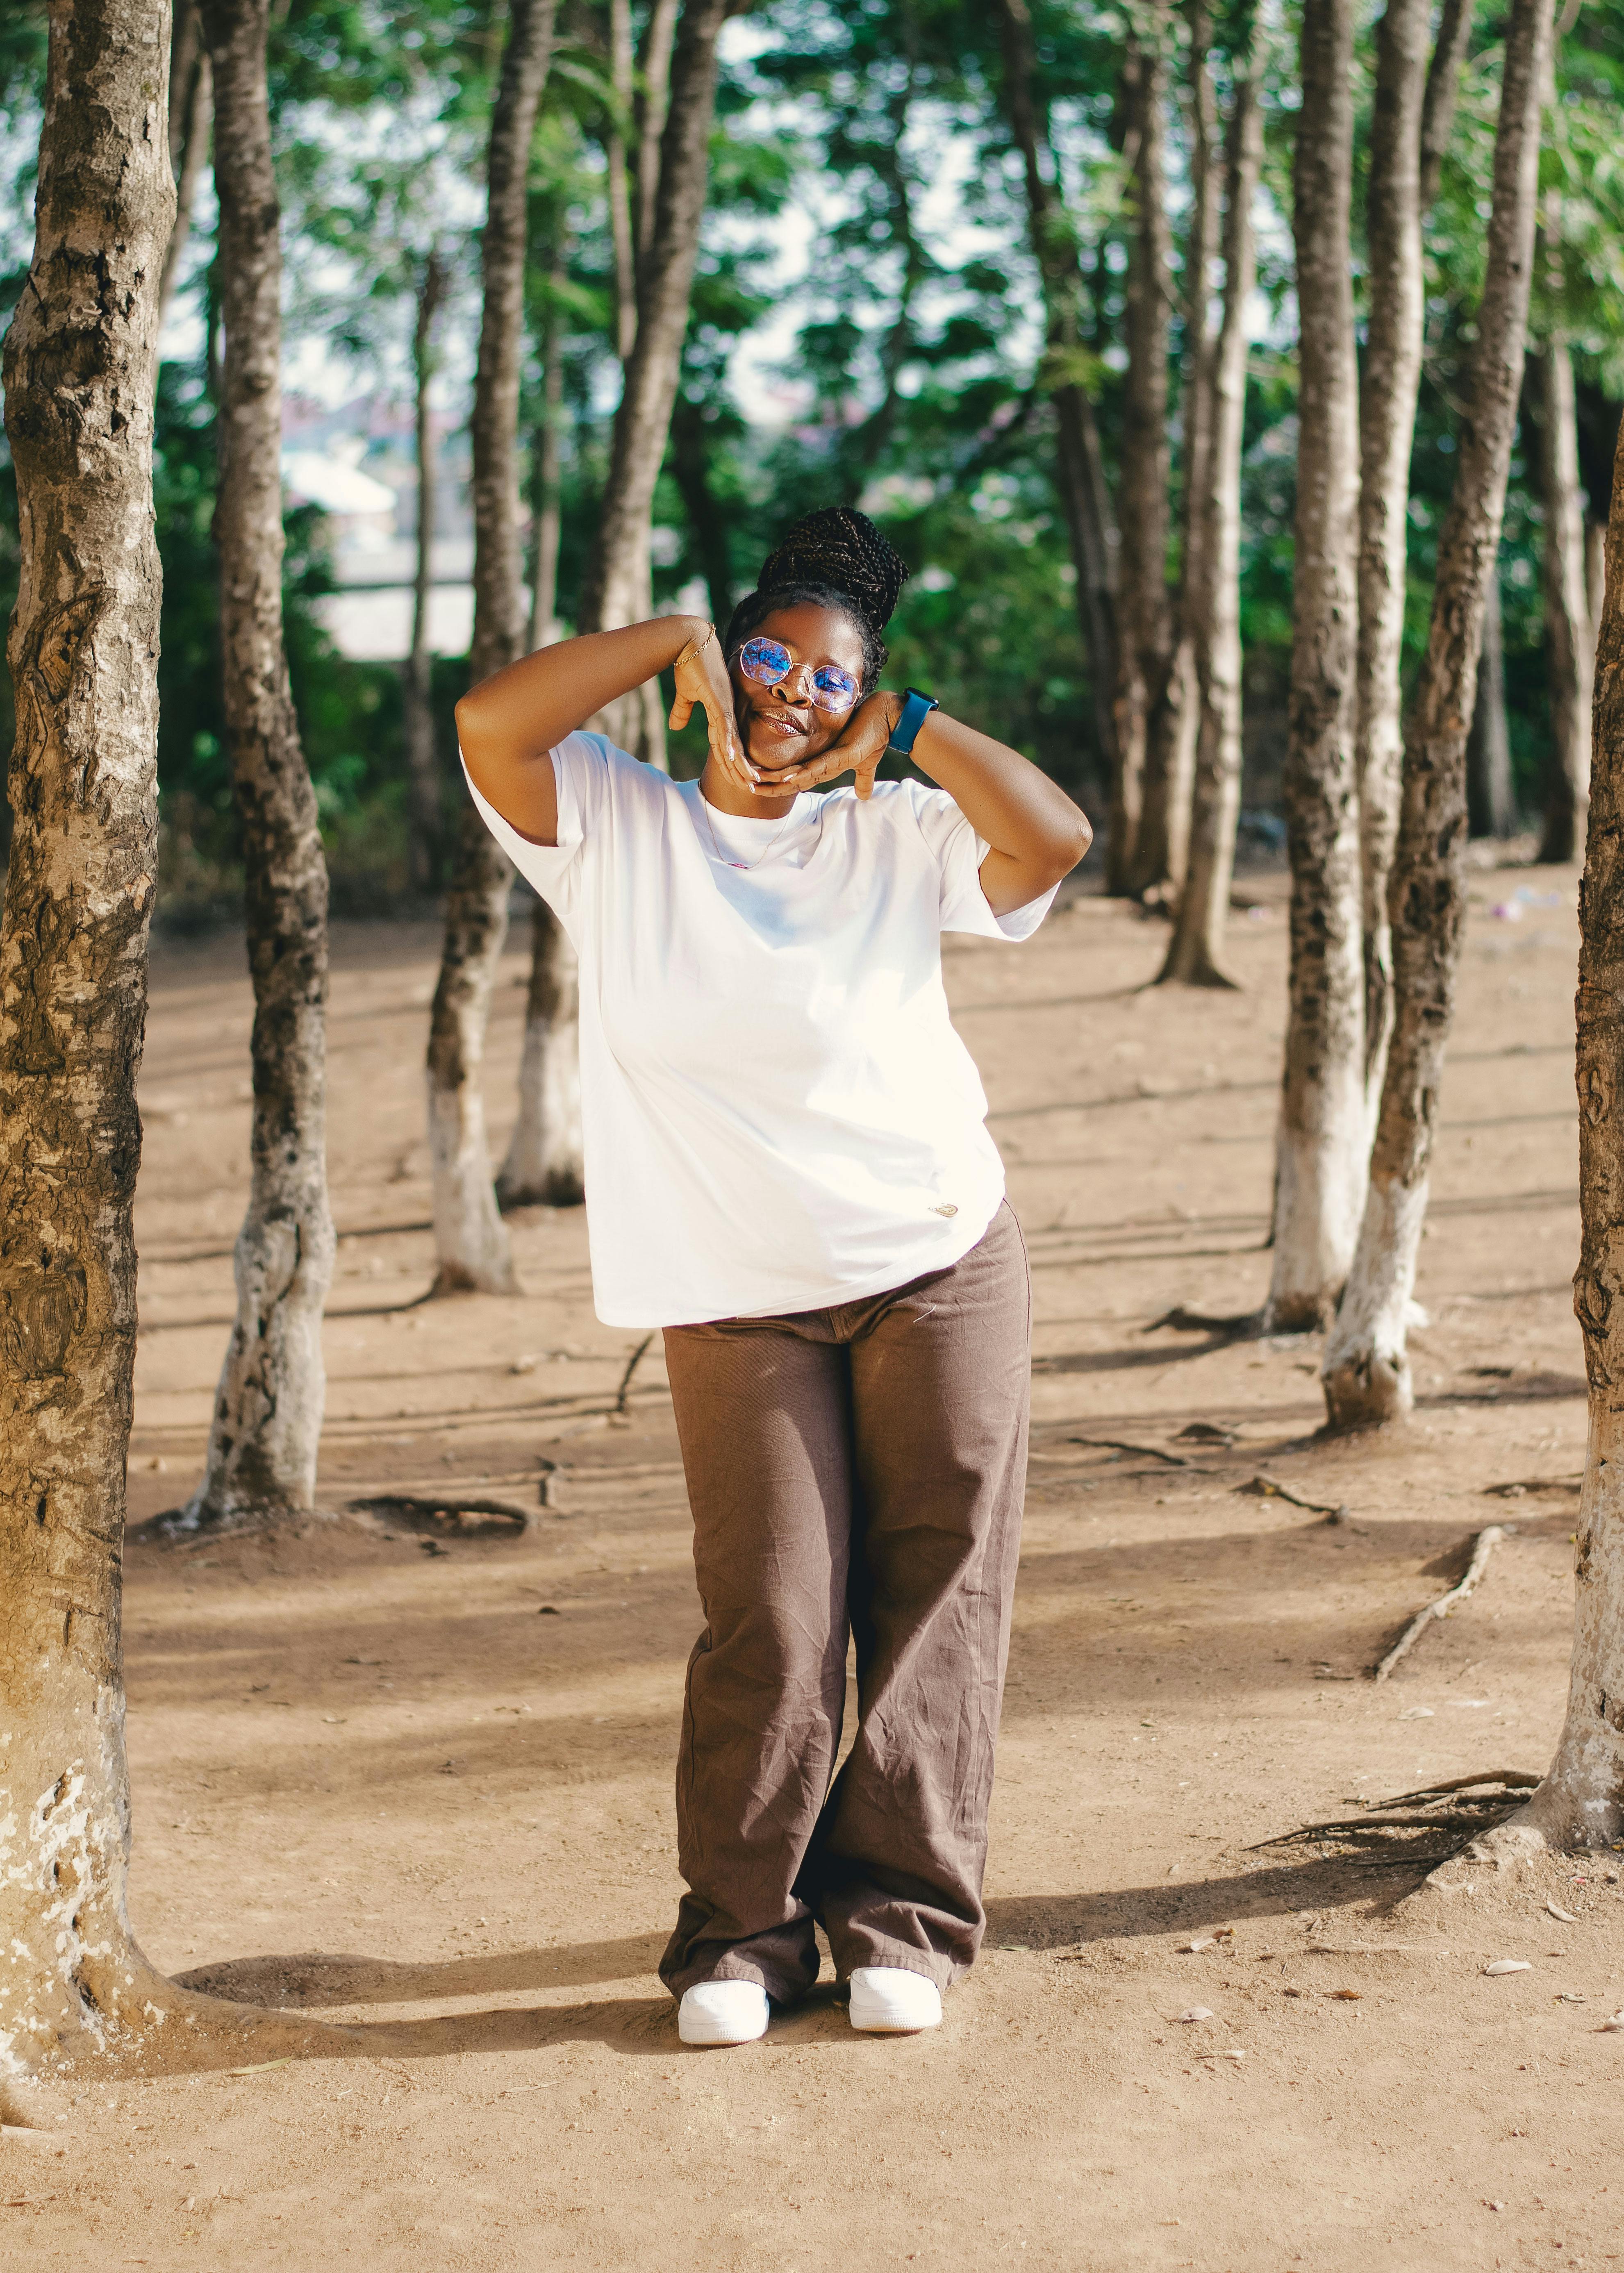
1072	840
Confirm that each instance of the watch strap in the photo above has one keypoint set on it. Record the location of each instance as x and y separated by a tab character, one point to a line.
916	707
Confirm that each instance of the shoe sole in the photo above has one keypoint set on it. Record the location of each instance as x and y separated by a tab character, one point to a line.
894	2028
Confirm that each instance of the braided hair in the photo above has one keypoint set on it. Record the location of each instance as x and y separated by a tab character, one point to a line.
835	558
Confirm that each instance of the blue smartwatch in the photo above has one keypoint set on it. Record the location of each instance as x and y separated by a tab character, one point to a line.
916	707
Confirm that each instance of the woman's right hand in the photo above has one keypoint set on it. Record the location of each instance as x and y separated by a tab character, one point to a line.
702	678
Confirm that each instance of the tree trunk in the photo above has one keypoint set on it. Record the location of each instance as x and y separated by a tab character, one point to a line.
623	250
653	101
1084	492
1145	654
1580	1803
191	111
80	356
1366	1366
266	1427
471	1247
616	585
1490	811
544	505
1320	1162
545	1162
422	783
1195	957
1389	385
1175	717
708	519
1570	657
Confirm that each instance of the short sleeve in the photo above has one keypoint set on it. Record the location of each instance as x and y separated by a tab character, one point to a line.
960	852
581	768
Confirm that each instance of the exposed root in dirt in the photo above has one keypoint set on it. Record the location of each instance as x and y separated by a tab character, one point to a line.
1119	1444
1566	1485
1482	1546
1261	1487
181	1527
632	1364
1236	1326
1401	1833
453	1515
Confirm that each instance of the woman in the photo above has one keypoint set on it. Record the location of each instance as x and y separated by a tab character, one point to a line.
787	1169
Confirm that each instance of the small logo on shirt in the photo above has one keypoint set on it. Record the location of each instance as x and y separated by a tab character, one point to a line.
948	1207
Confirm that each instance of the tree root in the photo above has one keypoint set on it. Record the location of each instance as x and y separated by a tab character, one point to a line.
632	1364
1400	1832
1261	1487
1118	1444
1482	1546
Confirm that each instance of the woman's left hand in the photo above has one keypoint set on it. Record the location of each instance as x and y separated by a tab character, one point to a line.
858	750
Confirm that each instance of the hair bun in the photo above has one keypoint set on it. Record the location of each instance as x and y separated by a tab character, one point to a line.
841	548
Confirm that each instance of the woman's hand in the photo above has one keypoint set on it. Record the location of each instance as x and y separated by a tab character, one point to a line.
702	678
858	750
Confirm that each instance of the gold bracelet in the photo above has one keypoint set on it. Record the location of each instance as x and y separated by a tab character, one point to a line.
690	653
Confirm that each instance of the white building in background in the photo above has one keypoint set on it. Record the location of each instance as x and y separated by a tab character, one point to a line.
357	462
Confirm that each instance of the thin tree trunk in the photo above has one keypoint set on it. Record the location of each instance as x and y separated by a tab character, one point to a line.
1084	492
1490	811
544	504
472	1251
81	357
1175	717
267	1426
1195	958
1389	385
617	579
422	759
623	249
1580	1803
1366	1365
1320	1160
1145	653
1443	87
543	1157
545	1162
653	101
1569	639
190	115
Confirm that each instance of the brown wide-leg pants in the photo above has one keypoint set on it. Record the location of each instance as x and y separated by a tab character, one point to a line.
858	1466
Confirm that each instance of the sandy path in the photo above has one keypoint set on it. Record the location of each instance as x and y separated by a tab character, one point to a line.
426	1792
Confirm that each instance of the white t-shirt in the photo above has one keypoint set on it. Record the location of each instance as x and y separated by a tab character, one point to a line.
776	1112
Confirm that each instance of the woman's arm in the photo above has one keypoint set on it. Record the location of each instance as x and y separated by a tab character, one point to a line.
1036	834
508	723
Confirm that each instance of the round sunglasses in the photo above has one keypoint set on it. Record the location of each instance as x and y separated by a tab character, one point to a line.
767	661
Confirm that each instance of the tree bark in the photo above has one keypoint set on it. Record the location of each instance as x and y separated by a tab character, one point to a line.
1175	717
652	104
1195	958
1145	653
623	250
1320	1161
1389	385
545	1164
1490	811
1084	491
1580	1803
1570	655
191	112
1366	1365
545	502
472	1251
81	357
707	517
422	782
617	581
267	1426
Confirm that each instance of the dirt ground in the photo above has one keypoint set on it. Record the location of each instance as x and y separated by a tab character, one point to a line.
417	1781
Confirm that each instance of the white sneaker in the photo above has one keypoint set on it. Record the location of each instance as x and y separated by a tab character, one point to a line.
888	2000
721	2013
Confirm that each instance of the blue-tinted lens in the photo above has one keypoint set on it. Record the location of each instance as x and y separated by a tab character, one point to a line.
764	661
833	688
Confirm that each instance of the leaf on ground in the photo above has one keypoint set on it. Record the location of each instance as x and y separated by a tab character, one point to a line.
1201	1942
1556	1911
1508	1965
1195	2013
263	2067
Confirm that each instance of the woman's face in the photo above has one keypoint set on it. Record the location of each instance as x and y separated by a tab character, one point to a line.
782	725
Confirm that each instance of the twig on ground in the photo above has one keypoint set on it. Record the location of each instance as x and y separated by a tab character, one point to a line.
1261	1487
1240	1325
1464	1805
632	1364
1482	1546
1117	1445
